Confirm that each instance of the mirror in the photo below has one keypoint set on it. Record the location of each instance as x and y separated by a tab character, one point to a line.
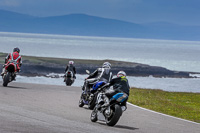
88	72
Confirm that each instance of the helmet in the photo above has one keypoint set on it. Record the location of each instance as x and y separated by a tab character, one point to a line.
121	73
71	62
16	50
106	65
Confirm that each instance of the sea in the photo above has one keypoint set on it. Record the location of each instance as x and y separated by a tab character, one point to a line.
175	55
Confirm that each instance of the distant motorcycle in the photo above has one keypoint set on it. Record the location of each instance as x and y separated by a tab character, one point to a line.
110	113
10	71
69	78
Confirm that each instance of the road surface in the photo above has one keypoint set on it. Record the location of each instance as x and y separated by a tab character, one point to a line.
35	108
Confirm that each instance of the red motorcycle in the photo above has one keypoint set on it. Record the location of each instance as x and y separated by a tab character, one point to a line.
10	72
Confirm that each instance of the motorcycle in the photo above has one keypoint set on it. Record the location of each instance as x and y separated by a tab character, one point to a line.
69	78
108	110
10	73
94	93
88	95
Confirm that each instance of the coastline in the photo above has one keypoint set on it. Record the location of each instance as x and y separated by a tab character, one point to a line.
51	71
42	66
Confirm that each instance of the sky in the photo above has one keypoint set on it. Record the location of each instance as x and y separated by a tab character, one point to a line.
184	12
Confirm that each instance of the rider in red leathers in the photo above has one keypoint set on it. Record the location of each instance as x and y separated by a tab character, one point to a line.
13	57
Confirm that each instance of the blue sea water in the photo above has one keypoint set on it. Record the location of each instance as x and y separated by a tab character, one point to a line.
174	55
167	84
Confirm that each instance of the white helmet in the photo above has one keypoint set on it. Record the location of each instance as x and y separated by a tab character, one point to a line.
106	65
71	62
121	73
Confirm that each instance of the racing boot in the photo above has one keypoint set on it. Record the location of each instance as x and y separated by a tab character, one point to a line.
64	78
3	71
123	108
14	77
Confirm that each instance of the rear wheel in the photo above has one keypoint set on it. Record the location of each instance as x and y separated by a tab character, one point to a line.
6	79
68	82
116	114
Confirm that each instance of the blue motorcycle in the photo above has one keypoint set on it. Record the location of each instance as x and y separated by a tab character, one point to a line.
89	95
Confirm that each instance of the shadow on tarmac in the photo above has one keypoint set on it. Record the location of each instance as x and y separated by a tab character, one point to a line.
16	87
122	127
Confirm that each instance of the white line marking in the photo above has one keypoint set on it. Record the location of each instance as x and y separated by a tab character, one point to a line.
162	114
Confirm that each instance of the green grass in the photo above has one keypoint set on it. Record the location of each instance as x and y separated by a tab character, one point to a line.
179	104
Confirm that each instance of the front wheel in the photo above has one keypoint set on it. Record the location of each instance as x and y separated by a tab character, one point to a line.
92	103
116	114
93	116
81	103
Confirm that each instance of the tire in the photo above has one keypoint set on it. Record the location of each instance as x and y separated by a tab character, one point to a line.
6	79
81	104
93	116
116	114
92	103
68	82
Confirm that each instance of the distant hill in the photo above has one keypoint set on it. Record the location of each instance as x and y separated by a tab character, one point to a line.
85	25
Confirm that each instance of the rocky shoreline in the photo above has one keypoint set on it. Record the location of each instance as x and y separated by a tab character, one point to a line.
42	66
40	70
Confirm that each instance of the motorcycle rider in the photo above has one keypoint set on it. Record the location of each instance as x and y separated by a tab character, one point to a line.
13	57
120	85
71	67
100	74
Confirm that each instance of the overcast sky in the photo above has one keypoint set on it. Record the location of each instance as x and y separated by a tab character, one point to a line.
186	12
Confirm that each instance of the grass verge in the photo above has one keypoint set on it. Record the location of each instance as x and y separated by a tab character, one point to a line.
179	104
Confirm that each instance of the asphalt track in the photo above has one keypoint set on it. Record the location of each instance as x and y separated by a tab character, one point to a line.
35	108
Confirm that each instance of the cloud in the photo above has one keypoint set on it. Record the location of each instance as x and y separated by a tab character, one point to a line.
10	3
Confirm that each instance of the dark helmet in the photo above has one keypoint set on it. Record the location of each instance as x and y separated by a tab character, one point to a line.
16	50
